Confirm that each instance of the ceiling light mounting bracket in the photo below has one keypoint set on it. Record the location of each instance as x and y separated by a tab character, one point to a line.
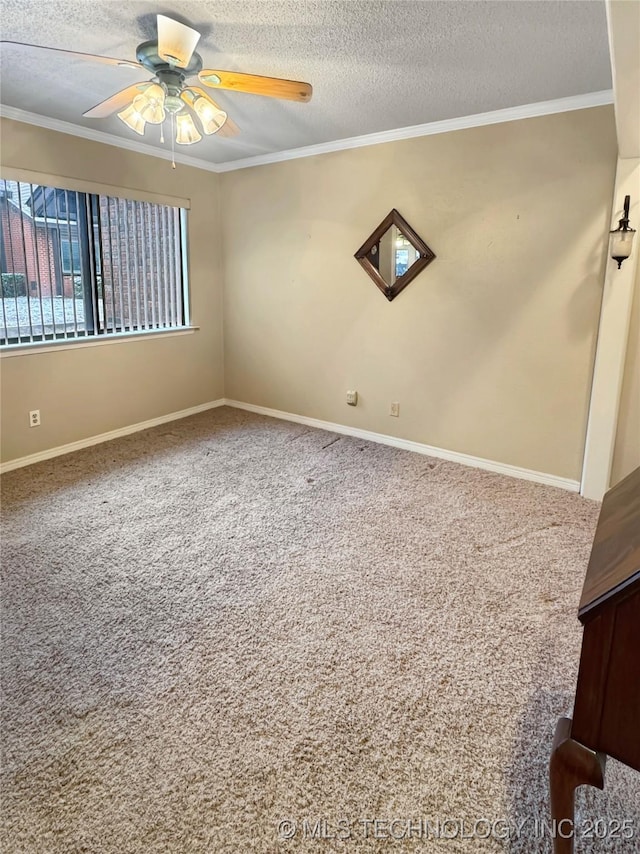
147	55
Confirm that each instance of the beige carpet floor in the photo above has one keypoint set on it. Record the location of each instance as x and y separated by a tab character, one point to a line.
230	630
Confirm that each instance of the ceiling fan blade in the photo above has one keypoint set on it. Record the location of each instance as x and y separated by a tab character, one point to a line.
272	87
176	41
91	57
229	128
116	102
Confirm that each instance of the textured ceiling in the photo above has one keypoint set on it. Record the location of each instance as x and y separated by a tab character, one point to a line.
375	65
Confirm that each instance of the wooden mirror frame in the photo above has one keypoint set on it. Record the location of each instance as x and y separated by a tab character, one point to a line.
426	255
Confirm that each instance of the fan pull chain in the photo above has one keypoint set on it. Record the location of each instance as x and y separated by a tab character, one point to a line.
173	141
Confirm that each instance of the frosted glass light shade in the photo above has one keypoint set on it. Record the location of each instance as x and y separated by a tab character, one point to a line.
212	118
186	130
622	236
132	118
176	41
621	245
150	104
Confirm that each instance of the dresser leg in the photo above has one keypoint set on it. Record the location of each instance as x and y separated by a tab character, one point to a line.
571	765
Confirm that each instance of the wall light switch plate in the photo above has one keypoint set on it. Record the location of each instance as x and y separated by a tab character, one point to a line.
395	409
352	398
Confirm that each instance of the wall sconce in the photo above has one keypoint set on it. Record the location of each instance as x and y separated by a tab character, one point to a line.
622	236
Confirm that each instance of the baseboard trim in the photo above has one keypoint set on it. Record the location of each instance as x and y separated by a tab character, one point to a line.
416	447
41	456
380	438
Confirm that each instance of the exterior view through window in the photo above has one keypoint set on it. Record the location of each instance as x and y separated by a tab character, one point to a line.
75	265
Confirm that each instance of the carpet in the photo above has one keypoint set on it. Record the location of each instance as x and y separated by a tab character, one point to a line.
237	634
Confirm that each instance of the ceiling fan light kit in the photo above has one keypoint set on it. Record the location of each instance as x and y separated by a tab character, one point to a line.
172	61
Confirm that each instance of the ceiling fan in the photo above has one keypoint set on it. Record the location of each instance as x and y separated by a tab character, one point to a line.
173	63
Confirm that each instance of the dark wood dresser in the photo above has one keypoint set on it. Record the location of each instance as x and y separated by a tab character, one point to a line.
606	715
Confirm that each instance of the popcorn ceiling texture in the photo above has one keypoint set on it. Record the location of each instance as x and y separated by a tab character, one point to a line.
229	621
375	65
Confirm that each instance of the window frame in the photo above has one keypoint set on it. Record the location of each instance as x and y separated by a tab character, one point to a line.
69	268
90	242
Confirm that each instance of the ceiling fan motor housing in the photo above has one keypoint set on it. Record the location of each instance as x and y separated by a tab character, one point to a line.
171	77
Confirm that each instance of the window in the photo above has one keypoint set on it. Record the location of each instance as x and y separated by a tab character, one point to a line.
77	265
70	251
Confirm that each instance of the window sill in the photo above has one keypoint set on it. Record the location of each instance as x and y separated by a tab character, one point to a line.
9	350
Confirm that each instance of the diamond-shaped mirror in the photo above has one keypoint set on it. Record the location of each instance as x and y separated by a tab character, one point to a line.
394	255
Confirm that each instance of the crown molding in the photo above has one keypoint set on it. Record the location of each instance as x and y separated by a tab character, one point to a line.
49	123
509	114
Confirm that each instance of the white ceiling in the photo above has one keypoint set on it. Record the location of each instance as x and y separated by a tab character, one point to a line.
375	65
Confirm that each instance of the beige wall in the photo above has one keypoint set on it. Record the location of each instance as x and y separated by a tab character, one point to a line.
489	351
627	450
86	391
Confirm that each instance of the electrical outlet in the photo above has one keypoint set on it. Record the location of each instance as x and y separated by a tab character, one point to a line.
395	409
352	398
34	418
